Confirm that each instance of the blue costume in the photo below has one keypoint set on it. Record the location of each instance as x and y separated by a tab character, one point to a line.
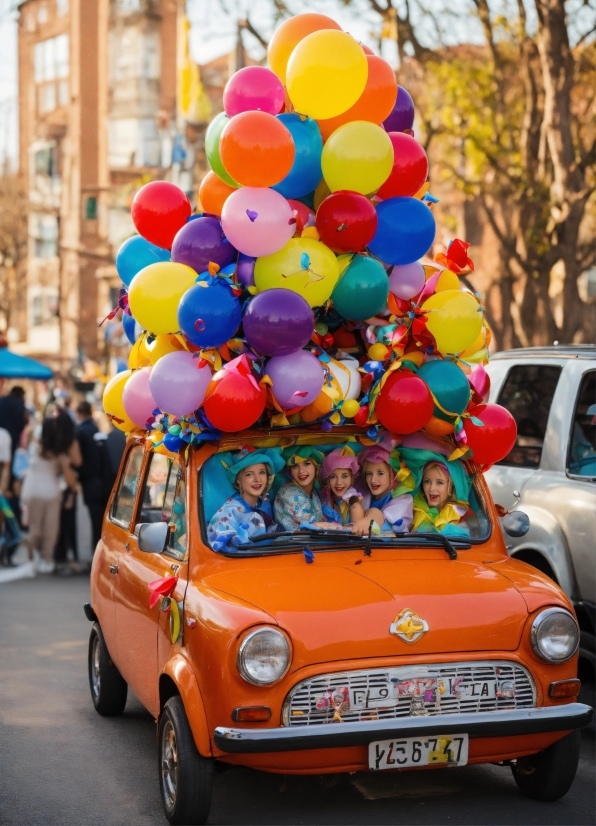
236	521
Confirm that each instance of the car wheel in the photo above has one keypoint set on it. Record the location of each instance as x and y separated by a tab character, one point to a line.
185	777
108	688
548	775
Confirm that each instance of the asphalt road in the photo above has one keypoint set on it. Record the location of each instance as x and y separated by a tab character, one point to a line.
60	763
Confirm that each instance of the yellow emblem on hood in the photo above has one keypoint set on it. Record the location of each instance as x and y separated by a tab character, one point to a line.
408	625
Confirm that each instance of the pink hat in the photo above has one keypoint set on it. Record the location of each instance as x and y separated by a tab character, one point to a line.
376	454
339	458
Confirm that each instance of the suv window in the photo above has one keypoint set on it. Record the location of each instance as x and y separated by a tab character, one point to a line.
124	500
582	444
528	394
164	499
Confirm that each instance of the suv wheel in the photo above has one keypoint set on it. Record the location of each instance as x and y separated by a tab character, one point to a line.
548	775
108	688
185	777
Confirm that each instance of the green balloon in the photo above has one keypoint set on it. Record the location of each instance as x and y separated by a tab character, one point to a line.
362	289
212	137
449	385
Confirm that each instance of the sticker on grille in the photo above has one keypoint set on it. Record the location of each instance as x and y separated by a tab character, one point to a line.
404	691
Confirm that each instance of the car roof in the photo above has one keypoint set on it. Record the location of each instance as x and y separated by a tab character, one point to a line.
563	351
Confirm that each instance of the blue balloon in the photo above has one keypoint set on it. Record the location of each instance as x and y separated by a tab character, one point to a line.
305	173
132	329
172	443
209	316
405	232
136	253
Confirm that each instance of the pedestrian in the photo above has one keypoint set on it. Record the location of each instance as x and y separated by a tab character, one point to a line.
67	443
10	534
13	414
41	494
113	448
91	469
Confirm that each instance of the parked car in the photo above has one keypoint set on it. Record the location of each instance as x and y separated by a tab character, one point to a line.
325	653
551	472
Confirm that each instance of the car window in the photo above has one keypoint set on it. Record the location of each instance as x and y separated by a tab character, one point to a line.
154	491
164	499
124	500
177	537
528	394
581	460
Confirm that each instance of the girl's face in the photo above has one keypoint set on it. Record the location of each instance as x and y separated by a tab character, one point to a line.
253	480
304	473
339	481
378	478
435	486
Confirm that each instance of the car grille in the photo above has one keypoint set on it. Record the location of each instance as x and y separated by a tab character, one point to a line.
404	691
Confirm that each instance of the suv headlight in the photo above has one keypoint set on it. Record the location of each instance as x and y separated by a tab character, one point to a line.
264	656
555	635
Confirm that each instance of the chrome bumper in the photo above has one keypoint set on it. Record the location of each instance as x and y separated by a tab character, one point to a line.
336	735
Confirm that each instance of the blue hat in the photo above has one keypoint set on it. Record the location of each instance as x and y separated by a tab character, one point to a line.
248	456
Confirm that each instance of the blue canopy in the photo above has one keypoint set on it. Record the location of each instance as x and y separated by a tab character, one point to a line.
13	366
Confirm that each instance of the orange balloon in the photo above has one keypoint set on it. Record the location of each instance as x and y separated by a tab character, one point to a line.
213	194
289	34
256	149
367	49
374	104
437	427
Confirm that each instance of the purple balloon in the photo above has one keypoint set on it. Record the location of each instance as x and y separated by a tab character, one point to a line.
200	241
278	322
402	116
407	280
296	379
178	384
245	270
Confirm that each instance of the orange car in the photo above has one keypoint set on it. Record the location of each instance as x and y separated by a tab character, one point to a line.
325	652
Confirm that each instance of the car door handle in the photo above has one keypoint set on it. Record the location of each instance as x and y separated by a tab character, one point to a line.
113	569
127	546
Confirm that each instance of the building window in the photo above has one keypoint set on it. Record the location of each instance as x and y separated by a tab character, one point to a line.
52	62
44	231
46	162
47	98
63	91
61	7
43	306
91	208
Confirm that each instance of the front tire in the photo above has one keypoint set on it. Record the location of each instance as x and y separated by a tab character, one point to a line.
108	687
548	775
185	777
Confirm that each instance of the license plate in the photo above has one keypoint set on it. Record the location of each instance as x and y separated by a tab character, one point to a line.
447	750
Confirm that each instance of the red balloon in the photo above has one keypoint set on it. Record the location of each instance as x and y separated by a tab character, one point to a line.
234	402
410	167
303	213
346	221
405	403
159	210
496	438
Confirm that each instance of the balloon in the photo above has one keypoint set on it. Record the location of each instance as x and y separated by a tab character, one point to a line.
278	323
321	192
376	101
132	329
449	387
454	318
404	404
162	345
358	156
447	280
155	293
349	408
256	149
378	352
410	167
304	266
289	34
209	315
305	173
113	404
362	289
407	280
200	242
213	193
245	270
405	232
257	221
346	221
136	253
137	399
139	355
253	87
234	400
496	438
326	74
303	215
402	116
159	210
296	380
178	383
212	136
438	427
343	382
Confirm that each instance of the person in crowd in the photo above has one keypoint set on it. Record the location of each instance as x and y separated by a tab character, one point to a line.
10	533
68	445
113	448
436	509
298	502
13	414
42	495
90	471
341	502
382	507
248	512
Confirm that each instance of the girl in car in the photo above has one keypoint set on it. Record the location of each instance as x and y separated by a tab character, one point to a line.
342	503
298	502
436	508
248	512
387	511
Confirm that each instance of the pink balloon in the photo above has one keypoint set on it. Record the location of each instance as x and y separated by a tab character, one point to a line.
257	221
137	399
178	384
253	87
407	280
296	380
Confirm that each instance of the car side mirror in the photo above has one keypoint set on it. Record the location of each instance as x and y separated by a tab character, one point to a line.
152	537
516	523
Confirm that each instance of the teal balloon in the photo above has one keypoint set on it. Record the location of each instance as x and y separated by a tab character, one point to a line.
449	386
306	172
135	254
362	290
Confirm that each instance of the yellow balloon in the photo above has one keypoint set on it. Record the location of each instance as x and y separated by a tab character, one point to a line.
326	74
138	356
321	192
349	408
113	404
358	156
305	266
378	352
447	281
161	345
155	292
454	319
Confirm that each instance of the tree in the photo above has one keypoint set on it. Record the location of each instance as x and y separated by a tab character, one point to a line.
13	247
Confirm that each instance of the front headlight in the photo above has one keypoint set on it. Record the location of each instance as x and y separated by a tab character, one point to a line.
264	656
555	635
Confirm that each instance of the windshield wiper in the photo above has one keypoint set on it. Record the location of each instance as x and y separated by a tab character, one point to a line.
442	540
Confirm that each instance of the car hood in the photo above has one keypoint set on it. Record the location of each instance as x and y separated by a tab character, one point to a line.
334	611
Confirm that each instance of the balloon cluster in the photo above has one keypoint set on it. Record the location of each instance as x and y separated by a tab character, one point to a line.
298	293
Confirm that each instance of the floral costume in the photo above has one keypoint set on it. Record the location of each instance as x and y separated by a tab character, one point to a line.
338	510
397	508
236	521
293	506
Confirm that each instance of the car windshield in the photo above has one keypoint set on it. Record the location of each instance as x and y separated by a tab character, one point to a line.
261	499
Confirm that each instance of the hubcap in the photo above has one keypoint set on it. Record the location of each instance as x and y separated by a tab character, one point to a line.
95	672
169	764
